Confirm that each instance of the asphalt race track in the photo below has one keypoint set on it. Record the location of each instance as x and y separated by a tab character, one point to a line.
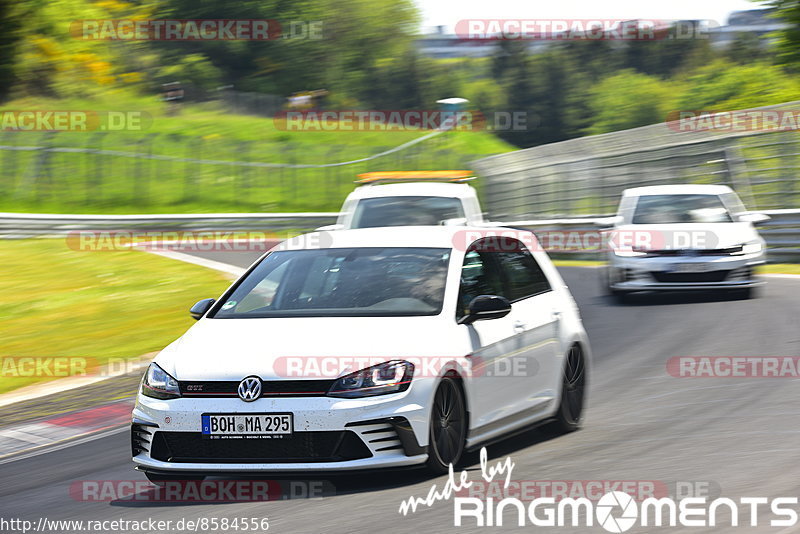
736	436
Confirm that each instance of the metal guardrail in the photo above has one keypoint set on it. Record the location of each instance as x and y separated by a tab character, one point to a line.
587	175
38	224
781	232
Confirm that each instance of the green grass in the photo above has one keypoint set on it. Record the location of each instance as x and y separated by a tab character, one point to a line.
58	302
87	183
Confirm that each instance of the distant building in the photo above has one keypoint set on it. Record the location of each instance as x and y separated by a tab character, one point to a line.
437	43
757	22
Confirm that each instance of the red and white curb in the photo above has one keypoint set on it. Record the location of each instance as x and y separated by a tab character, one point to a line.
66	427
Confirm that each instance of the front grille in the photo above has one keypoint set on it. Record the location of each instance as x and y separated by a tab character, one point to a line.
680	278
327	446
696	252
269	388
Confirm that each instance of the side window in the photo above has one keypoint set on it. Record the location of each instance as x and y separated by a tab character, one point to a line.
522	274
478	277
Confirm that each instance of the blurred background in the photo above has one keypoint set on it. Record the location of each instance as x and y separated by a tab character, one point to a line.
213	138
218	98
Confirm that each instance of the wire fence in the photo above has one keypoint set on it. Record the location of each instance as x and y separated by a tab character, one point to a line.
586	176
106	171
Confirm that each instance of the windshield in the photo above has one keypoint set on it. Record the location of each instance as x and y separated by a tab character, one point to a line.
342	282
672	209
405	211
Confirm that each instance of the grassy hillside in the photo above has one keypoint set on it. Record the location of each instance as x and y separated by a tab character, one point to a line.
68	181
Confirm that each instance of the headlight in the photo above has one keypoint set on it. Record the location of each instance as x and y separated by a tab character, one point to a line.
752	248
629	252
158	384
387	377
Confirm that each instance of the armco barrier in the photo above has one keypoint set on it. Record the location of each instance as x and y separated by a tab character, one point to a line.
782	231
37	224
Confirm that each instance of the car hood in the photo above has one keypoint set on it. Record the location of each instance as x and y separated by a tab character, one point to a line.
687	236
298	348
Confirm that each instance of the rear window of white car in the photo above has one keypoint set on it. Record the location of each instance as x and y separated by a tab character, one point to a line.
406	211
676	209
343	282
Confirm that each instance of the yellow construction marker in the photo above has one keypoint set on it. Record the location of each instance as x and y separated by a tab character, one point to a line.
415	176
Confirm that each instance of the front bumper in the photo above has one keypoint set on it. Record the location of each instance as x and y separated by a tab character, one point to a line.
330	434
659	274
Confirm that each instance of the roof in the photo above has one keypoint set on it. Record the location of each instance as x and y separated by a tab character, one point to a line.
412	189
391	236
678	189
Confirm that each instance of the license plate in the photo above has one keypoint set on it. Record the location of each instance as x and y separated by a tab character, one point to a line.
252	425
692	267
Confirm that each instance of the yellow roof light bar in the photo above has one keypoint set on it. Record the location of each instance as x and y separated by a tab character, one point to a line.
414	176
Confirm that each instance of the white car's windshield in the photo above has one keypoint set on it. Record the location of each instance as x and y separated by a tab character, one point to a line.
342	282
405	211
674	209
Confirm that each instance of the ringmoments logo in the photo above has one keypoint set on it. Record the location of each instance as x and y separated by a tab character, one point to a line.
615	511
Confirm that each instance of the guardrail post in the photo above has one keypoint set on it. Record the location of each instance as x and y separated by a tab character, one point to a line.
141	179
9	164
94	177
191	182
42	178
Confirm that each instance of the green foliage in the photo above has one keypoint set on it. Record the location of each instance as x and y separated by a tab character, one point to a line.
628	100
788	46
724	86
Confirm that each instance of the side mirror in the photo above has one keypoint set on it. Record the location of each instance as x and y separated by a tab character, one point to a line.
460	221
485	307
200	308
609	222
754	217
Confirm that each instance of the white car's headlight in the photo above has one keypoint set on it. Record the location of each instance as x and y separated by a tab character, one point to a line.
158	384
752	248
387	377
629	252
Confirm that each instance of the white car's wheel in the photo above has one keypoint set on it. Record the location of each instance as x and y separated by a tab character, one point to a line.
570	409
448	426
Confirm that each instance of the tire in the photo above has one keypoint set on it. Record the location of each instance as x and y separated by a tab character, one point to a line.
573	391
620	297
448	427
162	480
617	295
746	293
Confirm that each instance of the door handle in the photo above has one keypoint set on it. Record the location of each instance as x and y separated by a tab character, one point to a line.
556	315
519	326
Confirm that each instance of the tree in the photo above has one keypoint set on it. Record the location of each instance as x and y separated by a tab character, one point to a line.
628	100
788	45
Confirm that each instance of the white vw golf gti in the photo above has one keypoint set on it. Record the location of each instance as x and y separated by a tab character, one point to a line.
360	349
683	237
